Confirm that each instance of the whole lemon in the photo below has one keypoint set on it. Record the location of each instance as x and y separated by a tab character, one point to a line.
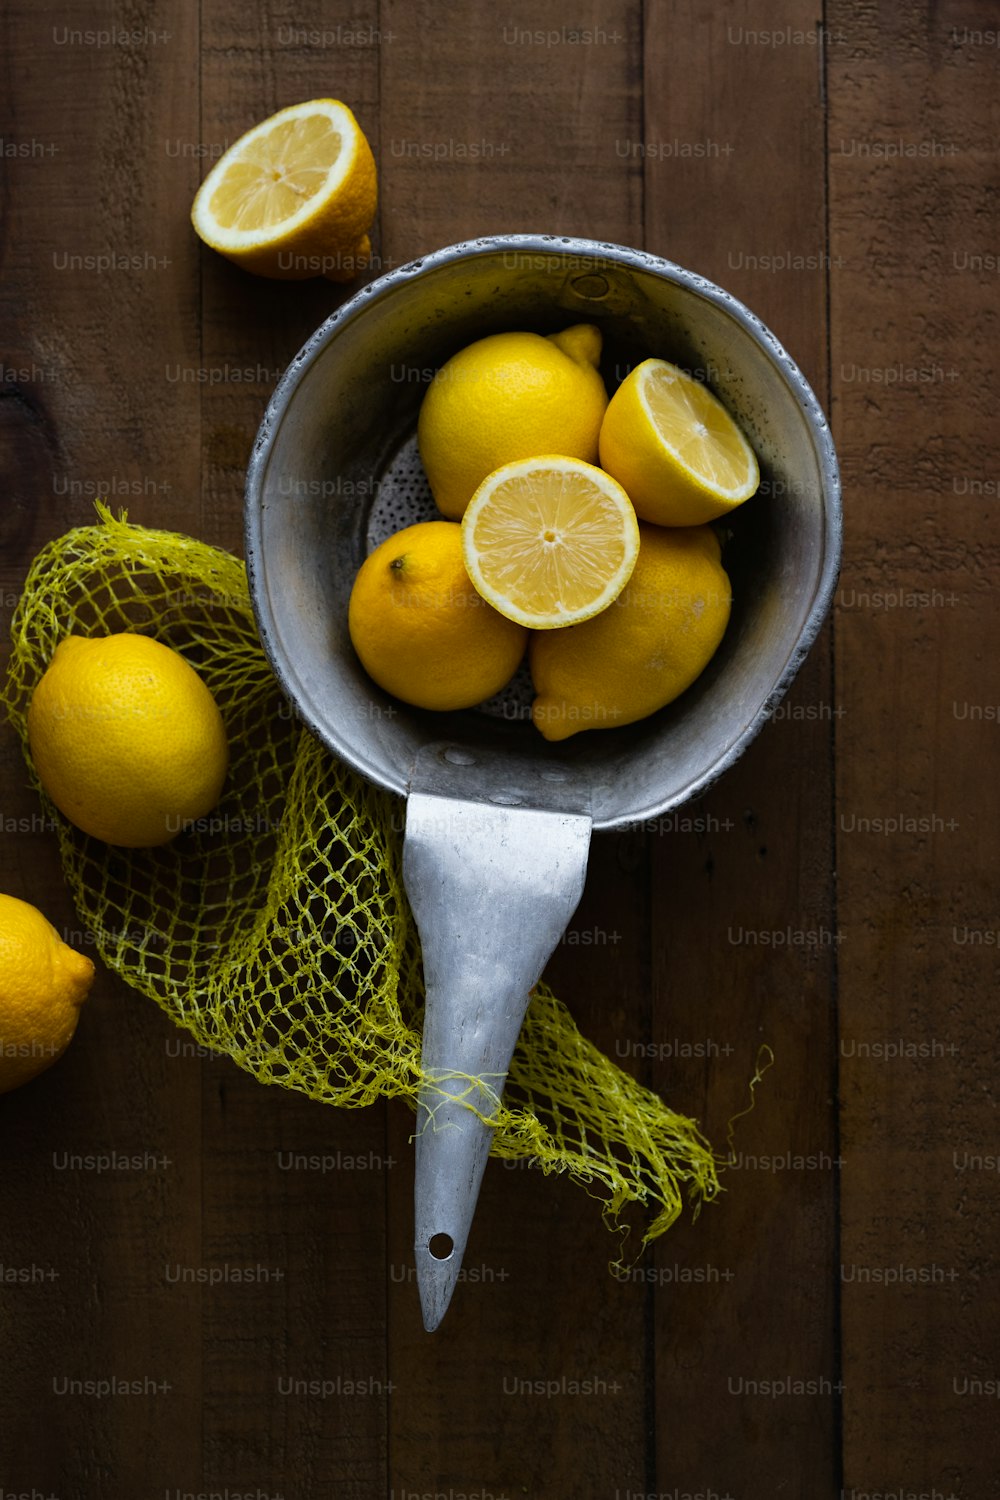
43	983
510	396
646	648
126	738
421	630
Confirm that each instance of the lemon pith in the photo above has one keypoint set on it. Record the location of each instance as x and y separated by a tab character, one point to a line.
549	541
675	448
295	196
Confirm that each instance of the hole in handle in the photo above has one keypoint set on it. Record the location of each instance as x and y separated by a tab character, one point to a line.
441	1246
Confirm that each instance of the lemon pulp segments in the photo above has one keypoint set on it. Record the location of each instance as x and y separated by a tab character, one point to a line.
550	541
698	429
277	172
677	451
293	197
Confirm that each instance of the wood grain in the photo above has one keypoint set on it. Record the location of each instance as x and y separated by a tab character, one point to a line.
530	153
90	259
913	198
755	149
543	1307
295	1188
253	62
748	1299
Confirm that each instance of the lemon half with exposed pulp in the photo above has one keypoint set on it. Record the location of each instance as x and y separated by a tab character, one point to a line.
550	541
293	197
675	448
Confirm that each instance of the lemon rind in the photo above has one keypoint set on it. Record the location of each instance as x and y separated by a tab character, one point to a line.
219	237
733	496
502	602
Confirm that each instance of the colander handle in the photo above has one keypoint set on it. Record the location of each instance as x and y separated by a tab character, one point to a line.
492	888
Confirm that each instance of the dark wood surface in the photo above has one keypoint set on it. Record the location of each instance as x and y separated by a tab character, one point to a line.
831	1324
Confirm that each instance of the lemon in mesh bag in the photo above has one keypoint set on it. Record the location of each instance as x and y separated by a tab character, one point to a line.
276	929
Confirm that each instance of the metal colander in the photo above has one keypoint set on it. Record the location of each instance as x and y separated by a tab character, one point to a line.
498	821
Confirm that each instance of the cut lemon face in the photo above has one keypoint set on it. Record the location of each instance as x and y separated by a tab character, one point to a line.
675	448
294	197
549	541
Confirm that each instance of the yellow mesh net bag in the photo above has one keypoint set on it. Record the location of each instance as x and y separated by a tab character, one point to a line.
276	930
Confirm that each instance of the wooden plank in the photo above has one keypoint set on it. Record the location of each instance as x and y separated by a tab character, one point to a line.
254	62
538	1301
295	1371
913	193
294	1232
94	255
294	1316
538	1304
91	259
485	99
123	380
745	1296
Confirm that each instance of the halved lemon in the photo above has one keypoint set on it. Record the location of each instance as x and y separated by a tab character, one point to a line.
293	197
549	541
675	448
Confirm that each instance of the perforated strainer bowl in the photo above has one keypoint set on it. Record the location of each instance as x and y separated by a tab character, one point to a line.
498	821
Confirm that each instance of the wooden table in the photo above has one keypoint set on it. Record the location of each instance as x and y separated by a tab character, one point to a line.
831	1324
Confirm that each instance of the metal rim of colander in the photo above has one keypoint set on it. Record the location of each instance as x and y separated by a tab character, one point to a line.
569	247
